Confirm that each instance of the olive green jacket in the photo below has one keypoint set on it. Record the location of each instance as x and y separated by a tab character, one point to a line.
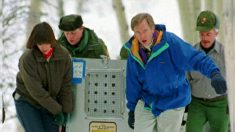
44	83
90	46
123	53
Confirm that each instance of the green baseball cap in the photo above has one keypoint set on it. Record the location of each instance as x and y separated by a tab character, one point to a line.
70	22
206	21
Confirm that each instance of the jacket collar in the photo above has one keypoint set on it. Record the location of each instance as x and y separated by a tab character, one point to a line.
58	54
159	45
80	45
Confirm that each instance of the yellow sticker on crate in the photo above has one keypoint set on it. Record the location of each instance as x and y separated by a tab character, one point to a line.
102	131
103	127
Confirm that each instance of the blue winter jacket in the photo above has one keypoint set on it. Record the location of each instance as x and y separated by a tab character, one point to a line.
161	82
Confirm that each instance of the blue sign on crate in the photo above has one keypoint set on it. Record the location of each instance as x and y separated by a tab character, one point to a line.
78	70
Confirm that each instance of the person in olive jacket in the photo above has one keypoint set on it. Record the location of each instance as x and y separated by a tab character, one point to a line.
80	41
43	93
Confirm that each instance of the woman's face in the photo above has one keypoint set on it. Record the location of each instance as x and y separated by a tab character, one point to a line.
44	48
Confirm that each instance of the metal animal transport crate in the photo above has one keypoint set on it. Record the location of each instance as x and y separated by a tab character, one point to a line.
99	95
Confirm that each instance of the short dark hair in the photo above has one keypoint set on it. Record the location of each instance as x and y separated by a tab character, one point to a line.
41	33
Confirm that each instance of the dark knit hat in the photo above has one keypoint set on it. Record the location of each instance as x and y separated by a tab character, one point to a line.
206	21
70	22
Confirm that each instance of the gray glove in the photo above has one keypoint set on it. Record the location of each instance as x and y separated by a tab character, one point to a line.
218	82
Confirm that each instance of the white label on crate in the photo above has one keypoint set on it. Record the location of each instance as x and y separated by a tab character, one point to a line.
102	127
78	69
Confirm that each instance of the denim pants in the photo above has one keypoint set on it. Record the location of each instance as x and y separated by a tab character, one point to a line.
167	121
34	119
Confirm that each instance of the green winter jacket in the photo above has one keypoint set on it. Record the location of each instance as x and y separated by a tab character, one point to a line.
90	46
46	84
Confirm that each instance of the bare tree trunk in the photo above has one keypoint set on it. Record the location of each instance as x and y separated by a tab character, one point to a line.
79	7
1	5
1	19
34	14
61	8
123	26
209	4
189	10
122	22
218	10
229	35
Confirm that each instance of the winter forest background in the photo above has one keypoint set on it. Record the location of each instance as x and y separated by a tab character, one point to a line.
110	19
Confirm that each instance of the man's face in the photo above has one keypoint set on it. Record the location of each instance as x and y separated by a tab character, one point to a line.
144	33
208	37
73	37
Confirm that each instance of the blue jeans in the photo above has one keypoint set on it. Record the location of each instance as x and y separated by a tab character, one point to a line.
34	119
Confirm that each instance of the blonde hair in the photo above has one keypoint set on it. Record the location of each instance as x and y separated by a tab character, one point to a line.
137	19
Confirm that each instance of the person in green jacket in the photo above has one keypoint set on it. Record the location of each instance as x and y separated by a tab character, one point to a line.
80	41
123	53
43	92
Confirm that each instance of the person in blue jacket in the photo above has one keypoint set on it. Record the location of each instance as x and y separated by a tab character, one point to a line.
157	90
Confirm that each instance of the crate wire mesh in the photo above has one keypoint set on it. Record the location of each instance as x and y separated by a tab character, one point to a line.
104	93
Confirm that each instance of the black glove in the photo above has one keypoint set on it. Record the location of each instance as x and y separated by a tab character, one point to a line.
218	82
131	119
